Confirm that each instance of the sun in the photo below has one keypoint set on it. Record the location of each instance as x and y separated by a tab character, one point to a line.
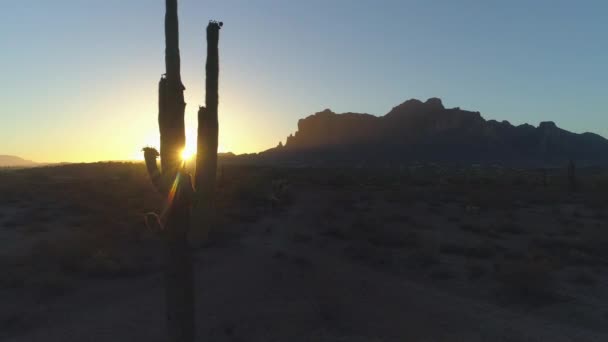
188	152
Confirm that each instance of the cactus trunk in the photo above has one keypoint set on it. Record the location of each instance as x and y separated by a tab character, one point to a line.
207	143
176	187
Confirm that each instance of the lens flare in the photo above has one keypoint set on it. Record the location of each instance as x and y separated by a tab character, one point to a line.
189	150
187	154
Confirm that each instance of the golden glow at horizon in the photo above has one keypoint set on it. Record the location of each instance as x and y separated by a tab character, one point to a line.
187	154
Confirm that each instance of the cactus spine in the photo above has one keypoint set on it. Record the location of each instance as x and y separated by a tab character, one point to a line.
172	181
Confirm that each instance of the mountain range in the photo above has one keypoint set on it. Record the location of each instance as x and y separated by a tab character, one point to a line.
429	132
14	161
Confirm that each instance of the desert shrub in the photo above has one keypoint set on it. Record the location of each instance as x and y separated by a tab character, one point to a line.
395	196
341	180
454	219
336	232
12	222
570	232
580	258
369	254
299	237
104	263
90	255
363	224
435	208
583	278
281	194
476	271
279	254
399	217
599	214
478	251
394	239
441	273
426	254
48	284
569	247
469	227
13	273
366	228
530	279
254	189
36	228
301	261
15	322
511	228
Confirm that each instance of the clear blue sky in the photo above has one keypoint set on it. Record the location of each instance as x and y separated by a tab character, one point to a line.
79	78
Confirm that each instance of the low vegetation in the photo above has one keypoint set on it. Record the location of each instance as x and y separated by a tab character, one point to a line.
499	236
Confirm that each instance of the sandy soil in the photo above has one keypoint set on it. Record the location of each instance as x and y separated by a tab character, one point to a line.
291	276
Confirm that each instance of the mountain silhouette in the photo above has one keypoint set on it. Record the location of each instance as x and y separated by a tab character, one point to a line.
14	161
427	131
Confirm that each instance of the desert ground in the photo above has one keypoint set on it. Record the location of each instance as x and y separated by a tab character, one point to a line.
408	253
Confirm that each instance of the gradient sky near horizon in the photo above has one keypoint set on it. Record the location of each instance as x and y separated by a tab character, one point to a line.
79	78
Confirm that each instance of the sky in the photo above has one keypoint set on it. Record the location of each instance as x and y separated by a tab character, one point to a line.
80	77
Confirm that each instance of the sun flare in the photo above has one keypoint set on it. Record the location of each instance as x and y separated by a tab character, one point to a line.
188	152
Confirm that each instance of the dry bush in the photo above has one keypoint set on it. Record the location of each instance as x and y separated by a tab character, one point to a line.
369	254
16	322
511	228
476	271
480	251
454	219
336	232
588	250
373	230
529	279
426	254
469	227
90	255
583	277
249	193
441	272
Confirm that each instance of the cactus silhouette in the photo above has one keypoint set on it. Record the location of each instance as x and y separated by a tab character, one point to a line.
175	184
207	141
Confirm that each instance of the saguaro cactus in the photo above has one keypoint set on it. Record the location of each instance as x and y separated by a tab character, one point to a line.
174	183
175	186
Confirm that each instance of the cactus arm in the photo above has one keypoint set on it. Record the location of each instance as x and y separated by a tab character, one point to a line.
207	143
150	155
212	68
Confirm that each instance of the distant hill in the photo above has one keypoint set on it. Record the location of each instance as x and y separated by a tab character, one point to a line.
429	132
14	161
